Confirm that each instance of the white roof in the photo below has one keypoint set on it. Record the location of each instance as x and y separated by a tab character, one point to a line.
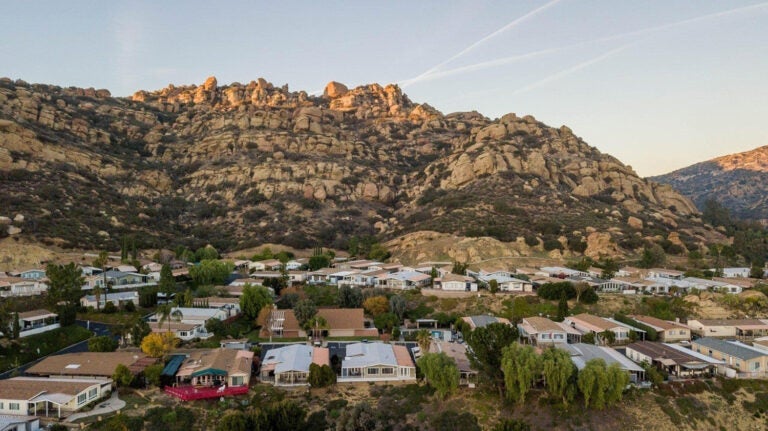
582	353
693	353
296	357
369	354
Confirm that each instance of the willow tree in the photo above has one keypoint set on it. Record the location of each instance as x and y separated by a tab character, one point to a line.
521	366
593	383
559	373
441	372
618	379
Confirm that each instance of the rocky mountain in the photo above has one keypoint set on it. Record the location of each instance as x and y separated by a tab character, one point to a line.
737	181
243	164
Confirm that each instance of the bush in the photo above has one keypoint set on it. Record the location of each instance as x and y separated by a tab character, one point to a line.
103	343
109	308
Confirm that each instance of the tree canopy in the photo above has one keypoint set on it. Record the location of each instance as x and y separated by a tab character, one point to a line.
254	298
486	346
521	366
441	372
65	283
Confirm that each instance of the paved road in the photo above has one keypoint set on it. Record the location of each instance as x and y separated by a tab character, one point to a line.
96	328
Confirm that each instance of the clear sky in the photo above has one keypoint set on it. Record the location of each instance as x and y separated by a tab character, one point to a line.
659	84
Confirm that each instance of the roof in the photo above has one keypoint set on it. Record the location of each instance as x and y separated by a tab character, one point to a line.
27	388
216	361
737	323
595	321
540	324
36	314
402	356
732	348
659	351
173	365
657	324
408	276
173	326
582	353
7	420
295	357
85	364
482	321
456	277
457	351
343	318
368	354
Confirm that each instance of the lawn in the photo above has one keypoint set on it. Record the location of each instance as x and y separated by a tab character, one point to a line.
118	318
23	350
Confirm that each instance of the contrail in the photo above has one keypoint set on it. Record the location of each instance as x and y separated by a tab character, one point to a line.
507	60
572	69
507	27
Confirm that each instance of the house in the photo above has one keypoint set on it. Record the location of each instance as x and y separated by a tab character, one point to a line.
230	305
118	280
506	283
630	271
455	282
33	396
193	315
297	264
668	332
216	367
582	353
19	423
266	265
32	274
457	352
743	329
126	268
360	264
37	321
180	330
587	323
739	359
297	277
116	298
405	280
289	365
481	321
320	276
675	360
666	273
152	267
733	272
624	285
17	286
541	331
561	272
89	364
341	322
371	362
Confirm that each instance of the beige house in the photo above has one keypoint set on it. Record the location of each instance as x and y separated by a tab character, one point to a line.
35	396
740	360
205	367
541	331
90	364
289	365
744	329
371	362
587	323
668	332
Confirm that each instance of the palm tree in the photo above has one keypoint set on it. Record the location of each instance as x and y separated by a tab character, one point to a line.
317	323
424	338
164	313
97	295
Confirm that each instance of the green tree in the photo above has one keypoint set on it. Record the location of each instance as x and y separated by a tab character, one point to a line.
398	306
350	297
486	345
102	343
15	327
562	309
652	256
139	330
65	283
122	376
424	339
493	286
321	376
593	383
101	262
152	373
317	324
253	300
206	253
512	425
521	367
304	310
610	267
618	380
441	372
211	272
319	261
559	373
167	283
386	322
233	421
460	268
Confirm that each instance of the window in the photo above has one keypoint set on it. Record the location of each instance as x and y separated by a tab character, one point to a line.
14	406
755	366
1	406
92	393
81	398
387	371
373	371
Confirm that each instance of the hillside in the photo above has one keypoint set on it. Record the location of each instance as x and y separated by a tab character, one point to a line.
737	181
240	165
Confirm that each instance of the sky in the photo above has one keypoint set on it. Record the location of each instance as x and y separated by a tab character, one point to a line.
659	84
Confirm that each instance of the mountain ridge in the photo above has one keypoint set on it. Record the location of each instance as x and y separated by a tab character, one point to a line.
238	165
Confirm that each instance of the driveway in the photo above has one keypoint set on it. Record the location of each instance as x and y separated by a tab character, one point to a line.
111	405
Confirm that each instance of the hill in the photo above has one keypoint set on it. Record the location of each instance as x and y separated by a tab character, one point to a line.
245	164
738	181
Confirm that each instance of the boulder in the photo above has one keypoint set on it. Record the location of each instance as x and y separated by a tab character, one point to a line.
335	89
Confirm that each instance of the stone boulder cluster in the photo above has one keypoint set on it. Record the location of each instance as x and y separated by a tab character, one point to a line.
366	155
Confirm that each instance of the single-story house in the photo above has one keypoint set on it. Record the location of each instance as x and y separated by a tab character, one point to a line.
561	272
729	328
541	331
668	332
407	280
506	283
37	321
666	273
582	353
182	331
206	367
116	298
16	286
587	323
32	396
289	365
193	315
265	265
676	360
341	322
370	362
733	272
32	274
455	282
231	305
89	364
19	423
740	359
458	352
